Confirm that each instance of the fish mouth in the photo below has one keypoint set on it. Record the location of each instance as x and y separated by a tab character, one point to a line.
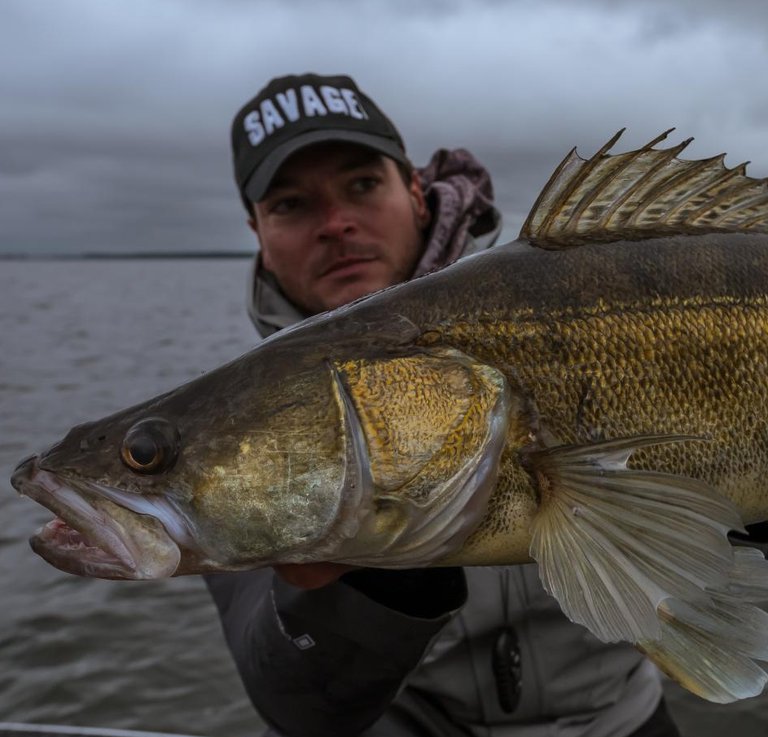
92	535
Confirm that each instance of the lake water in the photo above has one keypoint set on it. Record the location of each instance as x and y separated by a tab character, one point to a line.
78	340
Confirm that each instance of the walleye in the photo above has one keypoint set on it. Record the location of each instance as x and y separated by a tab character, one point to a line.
593	397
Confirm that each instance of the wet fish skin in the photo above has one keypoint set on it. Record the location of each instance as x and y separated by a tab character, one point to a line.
601	408
588	355
666	336
208	497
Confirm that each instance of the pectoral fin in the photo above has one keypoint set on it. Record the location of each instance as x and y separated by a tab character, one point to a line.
644	557
613	542
709	647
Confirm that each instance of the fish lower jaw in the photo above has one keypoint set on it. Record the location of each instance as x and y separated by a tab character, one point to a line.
88	542
91	535
68	550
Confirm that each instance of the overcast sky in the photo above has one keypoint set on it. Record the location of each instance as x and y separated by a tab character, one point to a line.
115	114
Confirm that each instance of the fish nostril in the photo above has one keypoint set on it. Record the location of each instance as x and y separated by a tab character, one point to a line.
90	442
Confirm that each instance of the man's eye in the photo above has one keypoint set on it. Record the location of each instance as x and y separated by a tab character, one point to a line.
360	185
285	205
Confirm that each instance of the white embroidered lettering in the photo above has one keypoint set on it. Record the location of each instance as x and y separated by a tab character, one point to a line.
356	110
313	105
254	128
332	100
289	102
271	119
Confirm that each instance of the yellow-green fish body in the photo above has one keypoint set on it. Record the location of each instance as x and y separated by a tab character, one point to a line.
592	396
658	337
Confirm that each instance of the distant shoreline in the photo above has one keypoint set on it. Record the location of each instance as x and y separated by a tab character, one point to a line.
92	256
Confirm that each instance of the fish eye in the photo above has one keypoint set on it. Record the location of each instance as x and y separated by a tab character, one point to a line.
150	446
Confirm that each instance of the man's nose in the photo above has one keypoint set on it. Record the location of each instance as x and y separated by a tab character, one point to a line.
336	220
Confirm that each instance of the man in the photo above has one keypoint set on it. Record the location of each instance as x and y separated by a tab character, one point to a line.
324	650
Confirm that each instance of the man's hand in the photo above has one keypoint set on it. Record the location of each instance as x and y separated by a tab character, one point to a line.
311	575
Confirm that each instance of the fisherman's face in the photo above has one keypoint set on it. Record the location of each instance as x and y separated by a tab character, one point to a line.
338	222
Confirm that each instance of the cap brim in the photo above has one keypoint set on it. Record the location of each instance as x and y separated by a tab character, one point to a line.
256	187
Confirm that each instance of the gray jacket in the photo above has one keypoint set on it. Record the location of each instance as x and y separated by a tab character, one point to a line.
409	653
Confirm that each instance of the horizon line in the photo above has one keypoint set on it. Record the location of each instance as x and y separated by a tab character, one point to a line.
95	255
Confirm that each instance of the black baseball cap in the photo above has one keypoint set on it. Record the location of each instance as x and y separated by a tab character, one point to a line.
296	111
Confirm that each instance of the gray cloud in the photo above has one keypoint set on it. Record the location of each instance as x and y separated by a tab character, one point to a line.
114	125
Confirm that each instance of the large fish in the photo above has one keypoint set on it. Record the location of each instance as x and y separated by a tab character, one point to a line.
594	397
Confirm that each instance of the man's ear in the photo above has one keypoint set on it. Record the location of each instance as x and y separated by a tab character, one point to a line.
423	214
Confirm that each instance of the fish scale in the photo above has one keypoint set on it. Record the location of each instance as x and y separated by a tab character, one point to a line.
592	397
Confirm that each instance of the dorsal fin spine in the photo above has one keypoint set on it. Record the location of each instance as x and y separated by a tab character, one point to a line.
641	194
661	137
715	183
580	176
644	181
724	196
528	224
755	221
746	203
622	163
654	194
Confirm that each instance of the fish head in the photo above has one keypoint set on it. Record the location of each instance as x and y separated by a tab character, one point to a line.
79	481
300	451
243	467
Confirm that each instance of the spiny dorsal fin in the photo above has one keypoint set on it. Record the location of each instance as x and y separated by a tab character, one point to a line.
645	193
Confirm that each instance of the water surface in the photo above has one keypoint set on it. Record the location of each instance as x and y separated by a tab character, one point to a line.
78	340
